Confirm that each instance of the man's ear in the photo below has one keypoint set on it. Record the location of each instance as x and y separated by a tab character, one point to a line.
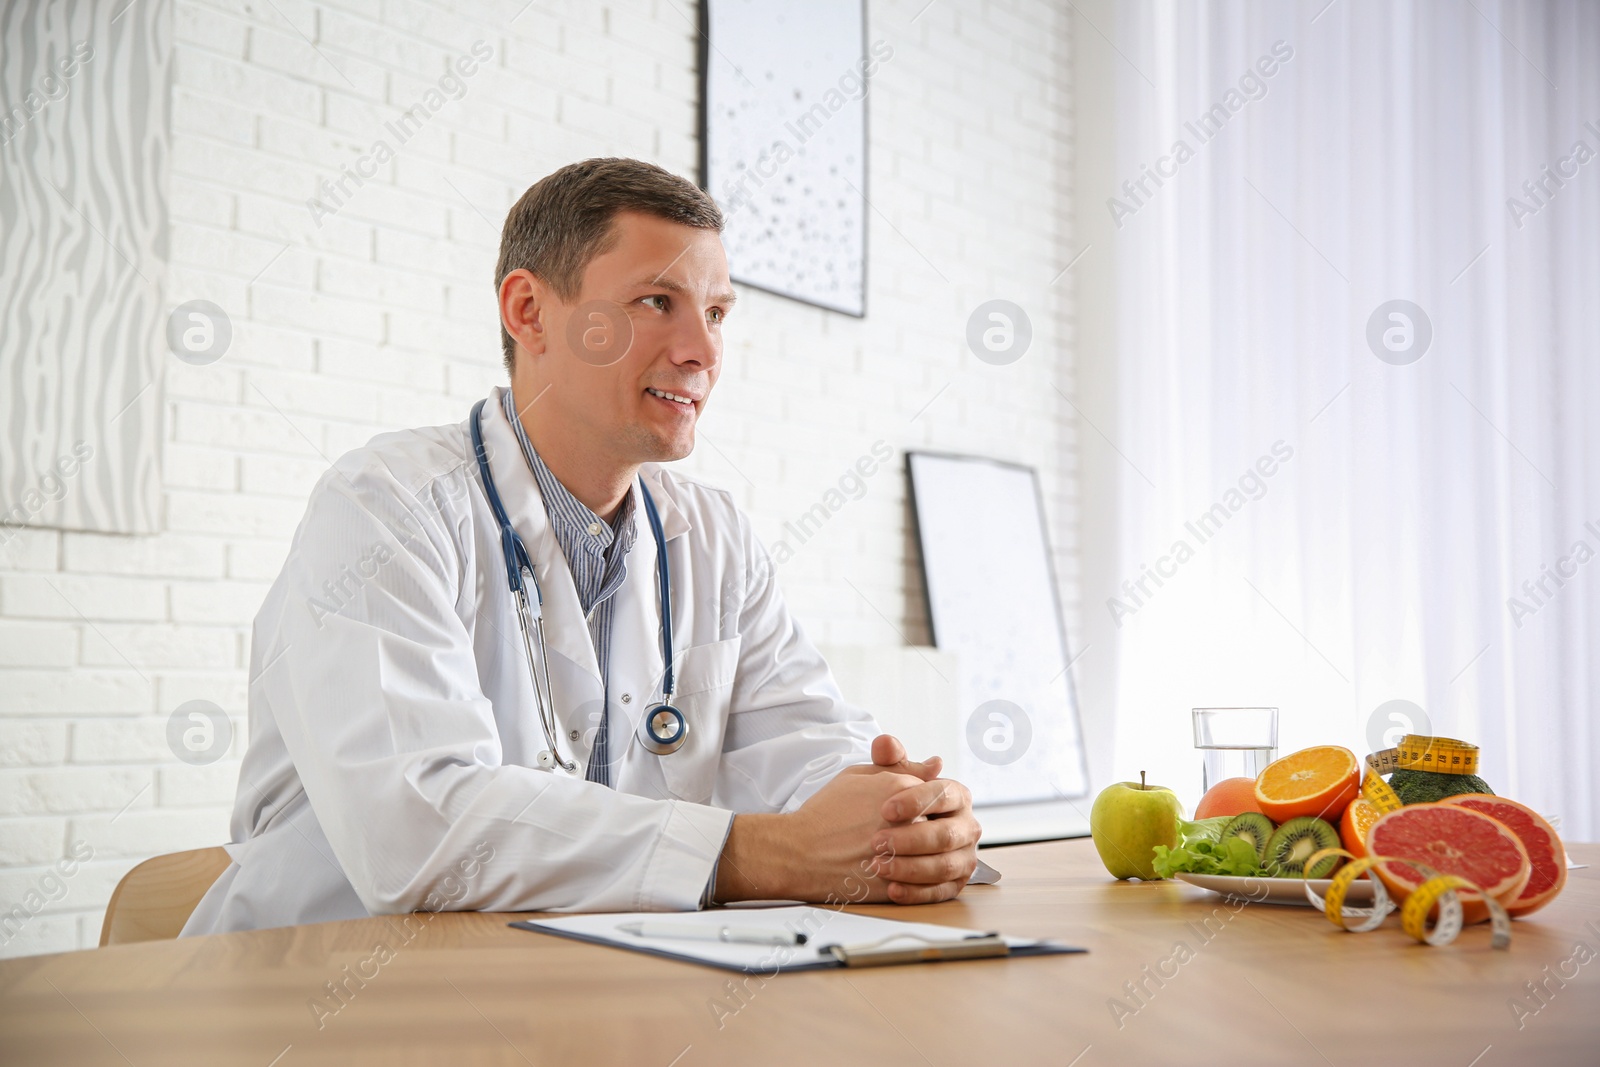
525	309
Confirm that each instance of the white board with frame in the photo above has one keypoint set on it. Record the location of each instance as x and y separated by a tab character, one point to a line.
992	599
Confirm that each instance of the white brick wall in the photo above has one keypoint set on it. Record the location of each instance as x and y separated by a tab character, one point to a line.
384	316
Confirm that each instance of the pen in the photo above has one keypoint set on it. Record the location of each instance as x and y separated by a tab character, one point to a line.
731	934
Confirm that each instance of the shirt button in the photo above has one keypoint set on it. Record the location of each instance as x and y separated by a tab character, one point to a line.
627	698
594	529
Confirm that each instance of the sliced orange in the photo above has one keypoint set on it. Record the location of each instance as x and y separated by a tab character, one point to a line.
1319	781
1358	819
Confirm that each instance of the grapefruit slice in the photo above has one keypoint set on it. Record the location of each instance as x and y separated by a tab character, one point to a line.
1549	859
1357	822
1451	839
1319	781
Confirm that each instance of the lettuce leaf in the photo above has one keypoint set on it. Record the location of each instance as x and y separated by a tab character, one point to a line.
1201	852
1203	829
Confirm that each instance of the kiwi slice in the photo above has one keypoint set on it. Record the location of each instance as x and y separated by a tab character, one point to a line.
1296	840
1253	827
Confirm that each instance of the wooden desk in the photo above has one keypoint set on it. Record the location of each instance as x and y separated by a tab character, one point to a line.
468	990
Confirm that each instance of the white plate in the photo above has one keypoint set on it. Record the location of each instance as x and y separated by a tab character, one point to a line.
1277	890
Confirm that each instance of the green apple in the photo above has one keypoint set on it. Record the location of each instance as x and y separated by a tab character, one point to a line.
1128	820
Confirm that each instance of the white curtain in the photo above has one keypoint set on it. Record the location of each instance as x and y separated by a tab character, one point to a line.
1429	530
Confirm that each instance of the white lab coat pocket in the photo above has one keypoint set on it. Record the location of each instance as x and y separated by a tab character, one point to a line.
704	688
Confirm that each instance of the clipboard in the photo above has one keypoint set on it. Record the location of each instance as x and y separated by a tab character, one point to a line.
835	939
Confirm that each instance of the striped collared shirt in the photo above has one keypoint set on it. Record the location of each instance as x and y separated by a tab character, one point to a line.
597	554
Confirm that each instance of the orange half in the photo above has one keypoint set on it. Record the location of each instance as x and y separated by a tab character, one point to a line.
1358	819
1319	781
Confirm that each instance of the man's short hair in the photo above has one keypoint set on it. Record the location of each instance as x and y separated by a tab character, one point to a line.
564	220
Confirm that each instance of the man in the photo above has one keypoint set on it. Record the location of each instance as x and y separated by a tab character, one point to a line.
397	756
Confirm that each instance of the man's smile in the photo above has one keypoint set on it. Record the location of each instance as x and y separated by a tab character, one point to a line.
682	400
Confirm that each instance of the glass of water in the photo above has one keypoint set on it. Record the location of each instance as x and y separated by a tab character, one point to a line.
1236	742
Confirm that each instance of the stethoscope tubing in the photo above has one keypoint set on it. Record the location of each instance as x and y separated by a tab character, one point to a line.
520	574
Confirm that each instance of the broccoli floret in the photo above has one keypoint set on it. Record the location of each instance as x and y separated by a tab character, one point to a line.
1425	787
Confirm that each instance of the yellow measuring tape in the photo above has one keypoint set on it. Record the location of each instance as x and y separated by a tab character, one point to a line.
1438	889
1415	752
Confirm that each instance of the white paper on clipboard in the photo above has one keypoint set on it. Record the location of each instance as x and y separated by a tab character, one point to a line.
822	927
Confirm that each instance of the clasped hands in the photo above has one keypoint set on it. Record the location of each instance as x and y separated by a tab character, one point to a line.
891	830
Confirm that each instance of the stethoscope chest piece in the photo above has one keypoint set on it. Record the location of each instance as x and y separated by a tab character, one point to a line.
663	730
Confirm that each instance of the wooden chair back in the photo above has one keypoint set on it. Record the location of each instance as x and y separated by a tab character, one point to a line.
155	899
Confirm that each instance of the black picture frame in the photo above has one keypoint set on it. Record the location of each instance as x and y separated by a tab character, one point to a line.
707	49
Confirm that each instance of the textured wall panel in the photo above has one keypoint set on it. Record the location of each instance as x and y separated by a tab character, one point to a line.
83	231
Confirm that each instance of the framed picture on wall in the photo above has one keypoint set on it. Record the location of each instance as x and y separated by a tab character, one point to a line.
783	143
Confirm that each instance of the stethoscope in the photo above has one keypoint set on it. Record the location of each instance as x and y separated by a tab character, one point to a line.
663	729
